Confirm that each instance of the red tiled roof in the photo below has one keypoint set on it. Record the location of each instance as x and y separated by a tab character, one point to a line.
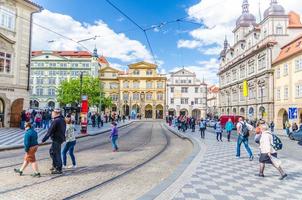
290	49
103	60
294	20
65	53
214	89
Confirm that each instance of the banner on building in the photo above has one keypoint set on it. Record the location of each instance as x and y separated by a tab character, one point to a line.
245	88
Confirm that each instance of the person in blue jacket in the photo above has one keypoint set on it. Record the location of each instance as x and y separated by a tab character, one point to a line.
229	126
30	147
218	130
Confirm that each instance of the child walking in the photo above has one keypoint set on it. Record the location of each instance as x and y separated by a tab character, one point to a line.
218	130
114	136
31	147
70	143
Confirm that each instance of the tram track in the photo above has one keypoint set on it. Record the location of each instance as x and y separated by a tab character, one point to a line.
125	173
79	148
82	169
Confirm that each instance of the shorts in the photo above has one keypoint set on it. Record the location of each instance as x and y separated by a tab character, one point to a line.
264	158
30	156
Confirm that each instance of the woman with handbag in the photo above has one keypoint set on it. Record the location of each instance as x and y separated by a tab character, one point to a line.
267	153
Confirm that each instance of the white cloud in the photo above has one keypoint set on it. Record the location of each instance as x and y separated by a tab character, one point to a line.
206	69
222	16
110	44
190	44
211	51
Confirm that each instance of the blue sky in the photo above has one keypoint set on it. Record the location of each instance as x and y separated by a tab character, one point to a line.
175	45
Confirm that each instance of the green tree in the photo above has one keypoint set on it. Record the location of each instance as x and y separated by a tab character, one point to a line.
69	92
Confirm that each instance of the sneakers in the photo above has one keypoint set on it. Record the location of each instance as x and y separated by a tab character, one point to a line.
251	158
283	177
64	167
72	167
18	171
36	175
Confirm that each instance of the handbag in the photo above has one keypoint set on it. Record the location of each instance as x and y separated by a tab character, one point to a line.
257	138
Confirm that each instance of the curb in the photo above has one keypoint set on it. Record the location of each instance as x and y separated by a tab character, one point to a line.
77	137
157	190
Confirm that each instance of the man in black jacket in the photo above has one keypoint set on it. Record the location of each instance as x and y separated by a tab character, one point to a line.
57	134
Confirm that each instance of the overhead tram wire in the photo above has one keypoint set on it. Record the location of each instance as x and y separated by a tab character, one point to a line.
180	51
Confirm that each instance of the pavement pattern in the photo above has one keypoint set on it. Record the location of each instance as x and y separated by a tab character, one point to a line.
220	175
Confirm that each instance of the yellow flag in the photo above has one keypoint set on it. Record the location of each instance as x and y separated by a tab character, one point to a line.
245	88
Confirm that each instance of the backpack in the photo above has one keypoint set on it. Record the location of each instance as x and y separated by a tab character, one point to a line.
245	132
277	144
202	125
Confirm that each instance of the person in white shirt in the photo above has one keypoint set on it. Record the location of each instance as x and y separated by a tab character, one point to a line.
243	137
267	152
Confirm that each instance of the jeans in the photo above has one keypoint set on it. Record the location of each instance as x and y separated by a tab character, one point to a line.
218	136
22	125
46	124
69	147
287	131
202	132
55	154
113	142
229	135
245	141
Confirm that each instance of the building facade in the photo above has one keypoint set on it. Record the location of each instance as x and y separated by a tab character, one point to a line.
213	101
186	95
250	58
288	82
140	90
50	68
15	48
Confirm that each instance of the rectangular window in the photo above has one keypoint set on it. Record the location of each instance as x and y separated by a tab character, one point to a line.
51	92
285	92
184	100
172	89
278	94
160	96
7	18
184	90
149	96
113	85
125	96
196	89
136	84
172	101
298	64
149	72
149	85
5	62
114	97
251	67
235	75
52	81
39	91
299	91
242	72
196	100
261	62
135	96
285	70
160	85
278	73
126	84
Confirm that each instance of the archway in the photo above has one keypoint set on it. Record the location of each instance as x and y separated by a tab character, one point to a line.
282	118
222	111
234	111
196	113
183	112
172	112
51	104
135	109
34	104
16	109
148	111
113	108
2	110
126	109
251	112
242	112
261	112
159	112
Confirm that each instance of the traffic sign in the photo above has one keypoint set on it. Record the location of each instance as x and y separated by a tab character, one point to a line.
292	113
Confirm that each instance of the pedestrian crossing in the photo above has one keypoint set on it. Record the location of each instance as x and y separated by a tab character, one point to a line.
14	136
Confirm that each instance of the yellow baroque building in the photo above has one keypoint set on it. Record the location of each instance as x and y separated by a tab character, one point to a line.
139	91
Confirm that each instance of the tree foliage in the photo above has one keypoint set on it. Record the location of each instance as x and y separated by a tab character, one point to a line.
69	92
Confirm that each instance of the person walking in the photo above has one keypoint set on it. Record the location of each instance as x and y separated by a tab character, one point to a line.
229	127
287	127
267	153
218	130
23	120
70	143
243	129
272	126
202	127
30	147
98	119
56	132
192	124
114	136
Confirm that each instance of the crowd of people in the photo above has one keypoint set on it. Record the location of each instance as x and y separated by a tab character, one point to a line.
61	130
269	143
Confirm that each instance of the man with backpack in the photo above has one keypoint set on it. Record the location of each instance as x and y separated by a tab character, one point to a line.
202	127
243	129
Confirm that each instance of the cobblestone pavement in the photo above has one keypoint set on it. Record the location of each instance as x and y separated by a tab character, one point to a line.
96	163
14	136
218	174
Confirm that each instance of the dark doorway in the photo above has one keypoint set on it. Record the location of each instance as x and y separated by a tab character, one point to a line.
2	109
16	109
